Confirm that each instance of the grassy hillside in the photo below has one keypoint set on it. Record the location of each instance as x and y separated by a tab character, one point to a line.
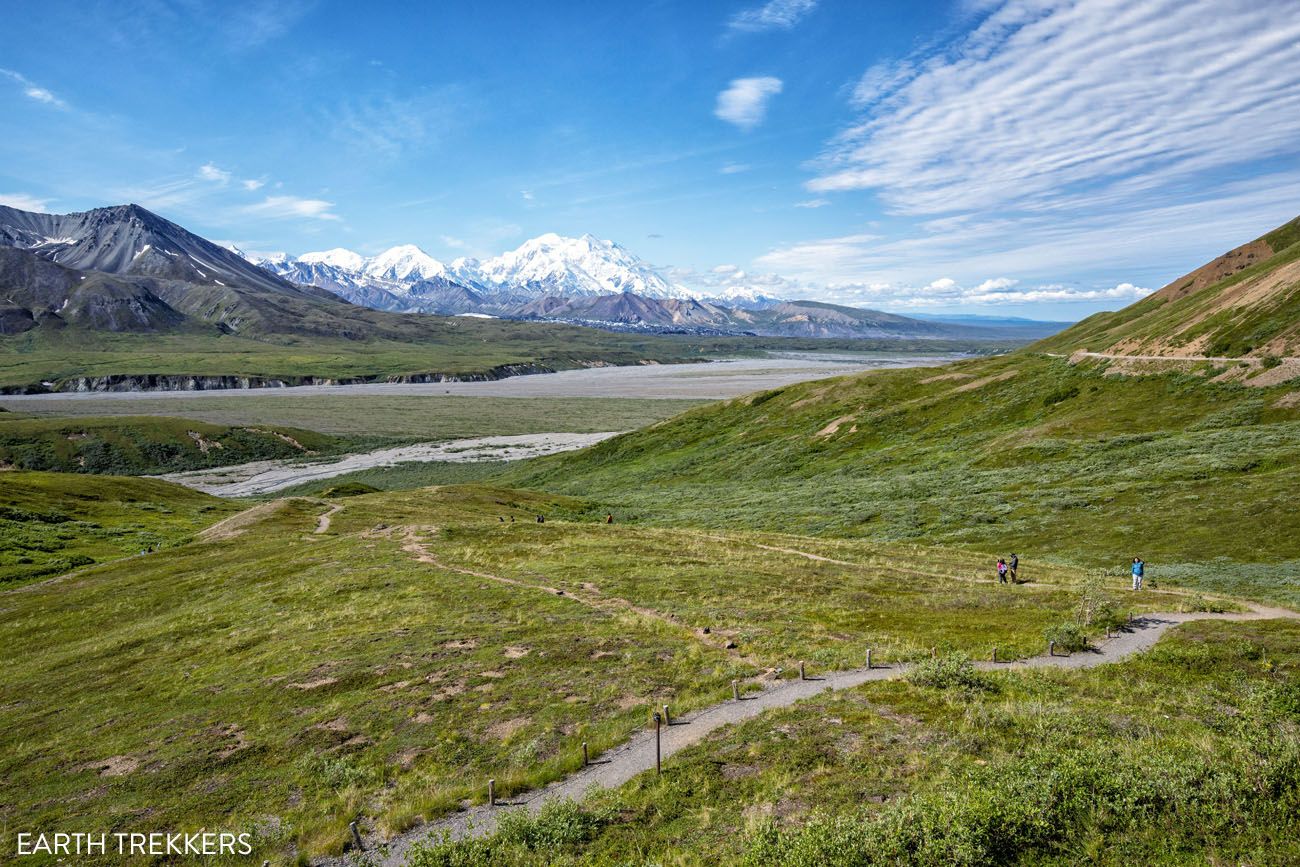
1184	755
1022	453
299	665
52	523
143	445
1246	302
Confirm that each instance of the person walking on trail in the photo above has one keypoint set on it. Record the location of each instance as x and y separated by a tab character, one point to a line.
1002	571
1013	566
609	519
1139	569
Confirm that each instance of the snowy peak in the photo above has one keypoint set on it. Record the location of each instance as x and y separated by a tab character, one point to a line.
336	258
406	262
553	264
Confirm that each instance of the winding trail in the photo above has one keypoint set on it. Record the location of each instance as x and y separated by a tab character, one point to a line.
637	755
323	521
589	596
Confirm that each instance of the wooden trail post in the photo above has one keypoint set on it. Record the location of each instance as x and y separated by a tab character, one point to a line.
585	760
995	654
801	673
735	690
667	719
356	837
868	658
492	793
1051	648
659	768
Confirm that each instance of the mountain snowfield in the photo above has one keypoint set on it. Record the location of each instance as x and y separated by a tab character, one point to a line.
548	266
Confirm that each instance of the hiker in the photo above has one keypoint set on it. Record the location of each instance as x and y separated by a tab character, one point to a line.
1013	566
1002	571
609	519
541	519
1139	569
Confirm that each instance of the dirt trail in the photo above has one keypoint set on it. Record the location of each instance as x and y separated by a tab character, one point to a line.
589	596
1022	584
323	522
638	755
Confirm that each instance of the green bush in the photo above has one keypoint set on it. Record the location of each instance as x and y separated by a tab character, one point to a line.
1068	636
522	838
950	671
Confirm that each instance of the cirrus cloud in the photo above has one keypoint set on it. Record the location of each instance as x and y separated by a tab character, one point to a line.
282	207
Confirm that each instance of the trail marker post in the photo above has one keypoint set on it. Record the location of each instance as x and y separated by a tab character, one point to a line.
801	673
585	760
659	768
356	837
995	653
868	659
492	793
1051	648
667	719
735	690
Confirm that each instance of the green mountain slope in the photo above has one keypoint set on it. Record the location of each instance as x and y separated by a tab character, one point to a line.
1025	453
1244	303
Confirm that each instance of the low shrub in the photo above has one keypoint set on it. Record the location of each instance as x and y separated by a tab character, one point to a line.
1068	636
950	671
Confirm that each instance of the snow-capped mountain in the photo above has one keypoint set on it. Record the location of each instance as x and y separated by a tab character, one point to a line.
407	263
549	266
575	268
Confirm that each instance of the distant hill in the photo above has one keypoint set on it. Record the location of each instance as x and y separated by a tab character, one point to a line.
1033	328
1244	303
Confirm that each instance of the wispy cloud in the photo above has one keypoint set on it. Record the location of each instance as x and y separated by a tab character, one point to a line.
1048	103
252	184
33	90
210	172
773	15
280	207
25	202
387	125
734	168
744	102
813	203
945	292
526	195
1059	137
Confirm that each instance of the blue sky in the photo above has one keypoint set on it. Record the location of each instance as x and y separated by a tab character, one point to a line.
1031	157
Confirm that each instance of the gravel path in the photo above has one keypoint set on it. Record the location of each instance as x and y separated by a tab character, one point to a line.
620	765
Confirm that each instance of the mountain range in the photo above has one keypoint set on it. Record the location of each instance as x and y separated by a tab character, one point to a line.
589	281
124	269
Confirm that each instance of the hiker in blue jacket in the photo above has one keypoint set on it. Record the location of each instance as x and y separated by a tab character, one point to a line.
1139	568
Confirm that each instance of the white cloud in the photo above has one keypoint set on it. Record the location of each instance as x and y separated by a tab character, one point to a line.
734	168
773	15
24	202
452	242
33	90
813	203
1052	103
210	172
251	184
280	207
993	292
744	102
527	195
